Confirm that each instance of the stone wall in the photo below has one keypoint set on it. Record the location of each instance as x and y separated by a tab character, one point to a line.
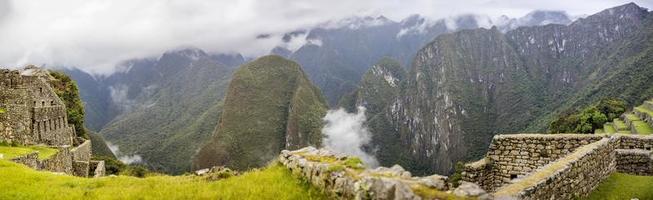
62	161
82	152
344	178
514	156
34	114
81	168
97	168
635	161
571	177
635	142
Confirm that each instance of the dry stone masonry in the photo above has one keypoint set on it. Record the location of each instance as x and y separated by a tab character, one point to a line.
517	166
345	177
33	114
557	166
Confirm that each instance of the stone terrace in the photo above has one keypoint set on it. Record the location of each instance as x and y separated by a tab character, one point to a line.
558	166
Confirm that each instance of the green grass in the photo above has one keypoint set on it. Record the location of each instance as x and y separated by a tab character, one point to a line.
624	186
9	152
644	110
642	128
272	182
619	125
608	128
631	117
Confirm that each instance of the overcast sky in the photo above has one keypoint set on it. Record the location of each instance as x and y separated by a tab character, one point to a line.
96	34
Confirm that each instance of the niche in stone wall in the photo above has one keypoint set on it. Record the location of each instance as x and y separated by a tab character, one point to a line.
513	176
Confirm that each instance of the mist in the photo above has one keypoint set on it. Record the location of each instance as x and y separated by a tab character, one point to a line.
96	35
347	133
127	159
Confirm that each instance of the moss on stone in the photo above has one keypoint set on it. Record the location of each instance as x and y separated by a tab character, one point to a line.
430	193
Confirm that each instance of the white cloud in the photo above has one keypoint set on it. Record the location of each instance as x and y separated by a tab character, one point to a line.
127	159
347	133
95	35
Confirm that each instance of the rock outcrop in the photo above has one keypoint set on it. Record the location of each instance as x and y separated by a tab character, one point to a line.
346	177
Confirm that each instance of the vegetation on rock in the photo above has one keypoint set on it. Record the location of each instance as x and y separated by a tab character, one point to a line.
270	106
590	118
66	89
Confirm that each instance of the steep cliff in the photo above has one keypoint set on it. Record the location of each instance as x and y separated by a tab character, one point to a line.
465	87
270	106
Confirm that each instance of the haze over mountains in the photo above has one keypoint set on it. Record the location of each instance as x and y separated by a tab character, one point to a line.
441	87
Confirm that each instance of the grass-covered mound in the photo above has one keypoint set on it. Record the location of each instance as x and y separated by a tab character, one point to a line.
624	186
272	182
10	152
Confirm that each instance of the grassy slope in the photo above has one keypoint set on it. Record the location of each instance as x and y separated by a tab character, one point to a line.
643	128
180	118
273	182
12	152
629	65
269	102
624	186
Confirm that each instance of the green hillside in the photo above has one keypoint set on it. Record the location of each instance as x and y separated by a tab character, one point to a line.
270	106
272	182
177	117
638	121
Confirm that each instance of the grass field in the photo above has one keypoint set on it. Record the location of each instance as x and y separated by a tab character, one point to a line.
608	128
9	152
642	128
620	125
623	186
272	182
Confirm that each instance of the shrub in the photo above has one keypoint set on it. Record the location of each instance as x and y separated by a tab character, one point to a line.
588	119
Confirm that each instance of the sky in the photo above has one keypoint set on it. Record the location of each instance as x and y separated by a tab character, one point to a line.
95	35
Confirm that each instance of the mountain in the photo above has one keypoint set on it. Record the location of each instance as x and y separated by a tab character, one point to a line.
270	105
161	109
377	91
467	86
337	54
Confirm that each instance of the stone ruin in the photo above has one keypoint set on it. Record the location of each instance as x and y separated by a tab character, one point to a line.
557	166
33	114
342	177
517	166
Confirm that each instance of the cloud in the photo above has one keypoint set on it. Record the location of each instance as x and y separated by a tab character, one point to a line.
95	35
127	159
347	133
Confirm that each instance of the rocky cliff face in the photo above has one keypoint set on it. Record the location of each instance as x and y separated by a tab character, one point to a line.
340	53
270	106
465	87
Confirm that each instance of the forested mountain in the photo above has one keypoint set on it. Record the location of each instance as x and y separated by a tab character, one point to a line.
467	86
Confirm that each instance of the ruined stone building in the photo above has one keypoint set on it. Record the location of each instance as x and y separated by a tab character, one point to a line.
31	113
